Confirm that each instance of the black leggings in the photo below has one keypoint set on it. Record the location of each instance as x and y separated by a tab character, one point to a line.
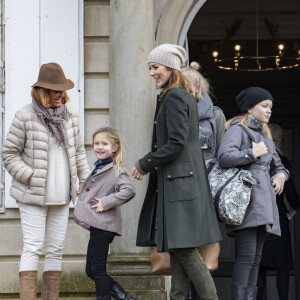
96	260
282	282
248	249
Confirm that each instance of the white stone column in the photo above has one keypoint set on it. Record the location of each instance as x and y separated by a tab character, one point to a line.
132	98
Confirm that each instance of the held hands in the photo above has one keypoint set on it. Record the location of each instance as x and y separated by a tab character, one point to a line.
259	149
278	181
137	174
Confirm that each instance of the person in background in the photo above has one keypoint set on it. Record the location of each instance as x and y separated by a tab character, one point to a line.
261	217
178	198
98	209
211	124
44	137
277	254
211	118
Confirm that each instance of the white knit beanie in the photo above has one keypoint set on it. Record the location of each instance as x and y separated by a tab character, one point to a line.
169	55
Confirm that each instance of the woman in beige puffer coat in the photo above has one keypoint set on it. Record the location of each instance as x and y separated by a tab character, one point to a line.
44	154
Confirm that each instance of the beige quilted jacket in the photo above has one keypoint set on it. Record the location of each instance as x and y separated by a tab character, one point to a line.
25	153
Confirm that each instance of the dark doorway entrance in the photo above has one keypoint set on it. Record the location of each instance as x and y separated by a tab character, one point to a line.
210	27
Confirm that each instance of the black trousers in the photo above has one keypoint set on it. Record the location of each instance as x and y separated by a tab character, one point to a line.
96	260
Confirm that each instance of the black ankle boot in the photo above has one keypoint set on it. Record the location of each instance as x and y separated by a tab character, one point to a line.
118	293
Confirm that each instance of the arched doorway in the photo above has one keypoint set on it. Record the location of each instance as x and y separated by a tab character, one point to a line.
204	23
176	19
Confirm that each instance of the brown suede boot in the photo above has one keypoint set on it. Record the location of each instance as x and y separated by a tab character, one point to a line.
50	285
27	281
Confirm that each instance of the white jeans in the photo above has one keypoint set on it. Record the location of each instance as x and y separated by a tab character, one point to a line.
43	228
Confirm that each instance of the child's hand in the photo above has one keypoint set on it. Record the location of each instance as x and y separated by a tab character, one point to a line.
98	207
278	181
137	174
259	149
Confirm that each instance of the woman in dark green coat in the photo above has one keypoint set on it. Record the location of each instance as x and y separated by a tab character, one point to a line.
178	213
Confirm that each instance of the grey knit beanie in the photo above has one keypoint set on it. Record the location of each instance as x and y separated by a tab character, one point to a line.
169	55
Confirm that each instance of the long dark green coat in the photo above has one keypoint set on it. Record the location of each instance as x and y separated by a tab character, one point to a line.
178	200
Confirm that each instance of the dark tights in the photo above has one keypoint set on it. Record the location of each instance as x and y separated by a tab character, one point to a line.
97	259
248	249
282	282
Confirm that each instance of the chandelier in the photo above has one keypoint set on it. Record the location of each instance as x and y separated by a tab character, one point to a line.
257	62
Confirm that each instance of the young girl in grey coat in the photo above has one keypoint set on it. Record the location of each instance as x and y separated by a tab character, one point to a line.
261	218
98	209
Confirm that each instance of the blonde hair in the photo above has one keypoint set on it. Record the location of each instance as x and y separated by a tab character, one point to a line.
199	83
41	96
244	120
115	139
177	80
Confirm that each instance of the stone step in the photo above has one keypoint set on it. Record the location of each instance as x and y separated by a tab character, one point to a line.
131	271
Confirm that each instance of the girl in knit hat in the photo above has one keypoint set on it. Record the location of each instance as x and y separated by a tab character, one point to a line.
178	200
261	219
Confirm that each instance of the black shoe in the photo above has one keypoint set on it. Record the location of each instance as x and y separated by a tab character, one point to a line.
118	293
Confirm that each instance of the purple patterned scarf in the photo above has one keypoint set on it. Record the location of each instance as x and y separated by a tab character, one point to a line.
54	119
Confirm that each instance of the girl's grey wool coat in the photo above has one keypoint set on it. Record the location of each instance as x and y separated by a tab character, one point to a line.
113	189
25	154
178	197
236	150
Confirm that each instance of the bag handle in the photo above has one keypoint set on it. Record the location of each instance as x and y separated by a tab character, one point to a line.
247	132
214	159
247	167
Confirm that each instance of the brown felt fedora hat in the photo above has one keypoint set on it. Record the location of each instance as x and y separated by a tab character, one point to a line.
52	77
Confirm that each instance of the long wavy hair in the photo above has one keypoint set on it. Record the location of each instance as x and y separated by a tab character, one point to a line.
245	121
176	80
